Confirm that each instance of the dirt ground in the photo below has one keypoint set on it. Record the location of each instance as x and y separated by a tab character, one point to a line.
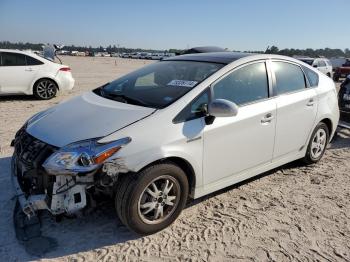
298	213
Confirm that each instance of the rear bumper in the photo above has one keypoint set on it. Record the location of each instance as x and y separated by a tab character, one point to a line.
65	81
29	204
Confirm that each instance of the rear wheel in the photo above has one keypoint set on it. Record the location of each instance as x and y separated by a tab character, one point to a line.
151	200
317	144
45	89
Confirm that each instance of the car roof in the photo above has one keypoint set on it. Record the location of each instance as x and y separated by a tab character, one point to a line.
214	57
229	57
15	51
29	53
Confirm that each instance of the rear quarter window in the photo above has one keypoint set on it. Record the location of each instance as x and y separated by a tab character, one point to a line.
311	76
31	61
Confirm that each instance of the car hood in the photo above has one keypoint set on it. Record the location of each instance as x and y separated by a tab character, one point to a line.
83	117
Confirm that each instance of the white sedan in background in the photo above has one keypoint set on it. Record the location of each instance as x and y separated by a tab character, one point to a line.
30	74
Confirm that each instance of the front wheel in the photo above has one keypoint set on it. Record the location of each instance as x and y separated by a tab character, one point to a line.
317	144
151	200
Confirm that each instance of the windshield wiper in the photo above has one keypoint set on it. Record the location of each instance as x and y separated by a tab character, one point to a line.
128	100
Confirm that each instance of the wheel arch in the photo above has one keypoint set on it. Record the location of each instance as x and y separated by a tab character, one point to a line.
185	166
42	78
329	124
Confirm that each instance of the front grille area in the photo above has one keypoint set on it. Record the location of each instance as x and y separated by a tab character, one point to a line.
30	153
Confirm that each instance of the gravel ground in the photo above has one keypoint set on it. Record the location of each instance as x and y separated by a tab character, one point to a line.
291	213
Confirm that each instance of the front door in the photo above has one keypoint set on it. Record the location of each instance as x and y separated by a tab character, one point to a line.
235	144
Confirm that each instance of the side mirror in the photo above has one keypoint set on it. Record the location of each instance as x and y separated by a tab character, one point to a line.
222	108
315	66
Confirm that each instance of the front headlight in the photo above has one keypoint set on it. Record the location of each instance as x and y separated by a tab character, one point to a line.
82	157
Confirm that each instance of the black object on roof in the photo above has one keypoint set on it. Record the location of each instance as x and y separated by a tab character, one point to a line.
217	57
204	49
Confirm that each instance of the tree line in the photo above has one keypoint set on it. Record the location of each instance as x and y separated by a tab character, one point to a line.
325	52
109	49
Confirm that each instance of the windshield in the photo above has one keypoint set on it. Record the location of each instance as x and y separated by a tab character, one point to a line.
308	61
159	84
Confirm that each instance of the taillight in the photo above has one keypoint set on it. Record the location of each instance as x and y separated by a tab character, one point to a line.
65	69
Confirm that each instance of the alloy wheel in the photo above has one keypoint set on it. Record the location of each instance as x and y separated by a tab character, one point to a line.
46	89
318	144
159	199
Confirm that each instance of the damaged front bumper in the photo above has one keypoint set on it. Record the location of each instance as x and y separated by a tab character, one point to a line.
66	195
29	204
38	186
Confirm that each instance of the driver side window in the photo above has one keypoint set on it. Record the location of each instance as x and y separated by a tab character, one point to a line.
244	85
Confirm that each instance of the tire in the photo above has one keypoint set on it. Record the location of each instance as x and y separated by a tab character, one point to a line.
336	78
137	203
329	74
317	144
45	89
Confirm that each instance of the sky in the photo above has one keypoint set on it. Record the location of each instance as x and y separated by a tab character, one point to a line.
163	24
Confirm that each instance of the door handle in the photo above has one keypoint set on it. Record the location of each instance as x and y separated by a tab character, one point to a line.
311	102
267	118
28	69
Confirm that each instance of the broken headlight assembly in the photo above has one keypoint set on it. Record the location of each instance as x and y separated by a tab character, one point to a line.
82	157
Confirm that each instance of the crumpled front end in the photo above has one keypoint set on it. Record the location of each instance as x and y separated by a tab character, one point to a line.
36	189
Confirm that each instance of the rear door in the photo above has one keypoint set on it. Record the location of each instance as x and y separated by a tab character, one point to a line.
15	75
296	108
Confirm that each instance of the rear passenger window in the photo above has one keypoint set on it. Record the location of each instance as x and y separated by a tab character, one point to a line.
289	77
244	85
311	76
32	61
12	59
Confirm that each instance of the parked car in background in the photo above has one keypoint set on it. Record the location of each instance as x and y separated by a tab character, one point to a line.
135	55
342	71
143	55
149	55
157	56
344	101
172	131
29	74
166	55
322	64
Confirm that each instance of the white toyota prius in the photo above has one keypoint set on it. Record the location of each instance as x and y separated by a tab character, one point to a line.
25	73
174	130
